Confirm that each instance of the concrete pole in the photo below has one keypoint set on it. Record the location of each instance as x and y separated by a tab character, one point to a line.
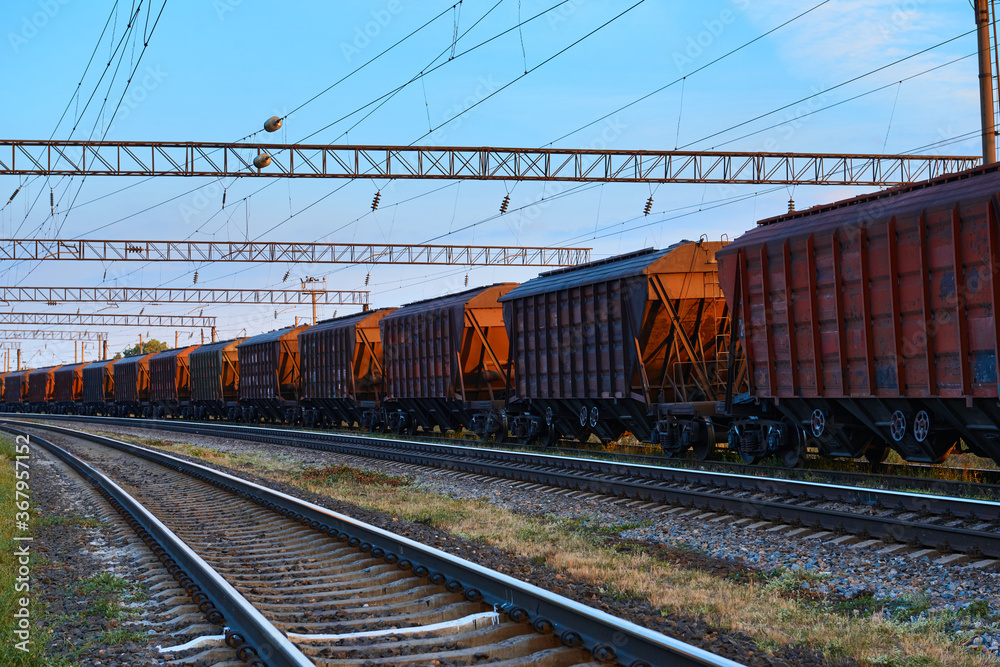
986	82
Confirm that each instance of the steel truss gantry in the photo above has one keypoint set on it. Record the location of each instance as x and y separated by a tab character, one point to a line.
108	320
306	253
217	160
25	334
57	295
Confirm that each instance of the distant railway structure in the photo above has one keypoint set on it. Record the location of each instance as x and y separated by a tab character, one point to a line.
290	252
57	295
108	320
234	160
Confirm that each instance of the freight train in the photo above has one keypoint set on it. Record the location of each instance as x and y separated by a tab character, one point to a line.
856	328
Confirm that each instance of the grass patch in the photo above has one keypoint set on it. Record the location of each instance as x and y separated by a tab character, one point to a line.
109	596
10	655
121	636
73	520
102	583
346	474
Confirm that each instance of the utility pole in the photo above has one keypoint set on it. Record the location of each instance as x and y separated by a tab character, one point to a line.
314	293
986	81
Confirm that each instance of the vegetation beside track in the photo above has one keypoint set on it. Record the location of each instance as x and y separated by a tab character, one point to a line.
769	607
10	654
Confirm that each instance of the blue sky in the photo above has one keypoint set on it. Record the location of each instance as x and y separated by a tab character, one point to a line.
214	70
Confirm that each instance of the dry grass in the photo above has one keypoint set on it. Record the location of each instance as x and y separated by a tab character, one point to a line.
763	609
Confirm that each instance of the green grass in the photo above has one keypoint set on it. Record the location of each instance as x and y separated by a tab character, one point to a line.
109	595
10	655
343	473
121	636
74	520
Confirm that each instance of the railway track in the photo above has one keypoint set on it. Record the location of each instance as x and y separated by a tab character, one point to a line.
297	584
884	475
889	519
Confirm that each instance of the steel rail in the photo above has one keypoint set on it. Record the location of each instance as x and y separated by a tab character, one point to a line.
274	160
269	642
608	638
653	483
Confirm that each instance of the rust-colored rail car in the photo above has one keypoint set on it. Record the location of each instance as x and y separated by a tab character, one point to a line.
342	374
132	385
873	321
68	391
41	388
99	387
269	375
15	390
637	343
446	362
170	383
215	380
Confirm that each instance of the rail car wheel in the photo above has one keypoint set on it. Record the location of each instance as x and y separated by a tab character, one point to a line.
921	426
794	456
897	425
877	453
549	438
702	439
749	458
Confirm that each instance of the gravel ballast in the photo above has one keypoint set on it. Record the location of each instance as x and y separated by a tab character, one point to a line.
816	568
